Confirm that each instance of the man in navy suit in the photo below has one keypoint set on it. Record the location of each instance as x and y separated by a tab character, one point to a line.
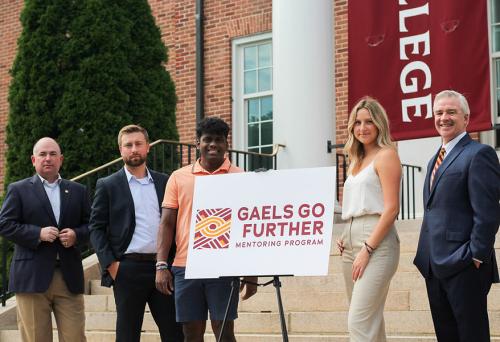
47	218
123	230
456	247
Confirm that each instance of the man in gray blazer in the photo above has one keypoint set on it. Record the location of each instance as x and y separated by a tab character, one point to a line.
461	201
123	230
47	219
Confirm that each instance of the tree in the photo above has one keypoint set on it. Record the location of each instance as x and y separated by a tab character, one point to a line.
37	82
83	70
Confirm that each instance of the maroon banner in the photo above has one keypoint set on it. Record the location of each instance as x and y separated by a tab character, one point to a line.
404	52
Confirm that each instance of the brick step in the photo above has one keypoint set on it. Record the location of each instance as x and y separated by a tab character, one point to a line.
326	338
106	336
415	300
266	302
396	322
313	323
402	281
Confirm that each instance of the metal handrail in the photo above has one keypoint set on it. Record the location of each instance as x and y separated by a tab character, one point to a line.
408	206
276	148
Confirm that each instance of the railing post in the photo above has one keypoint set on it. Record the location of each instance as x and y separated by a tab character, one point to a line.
337	175
181	157
413	187
408	191
4	271
402	199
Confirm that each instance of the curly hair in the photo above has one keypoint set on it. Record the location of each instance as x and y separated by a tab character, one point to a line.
212	125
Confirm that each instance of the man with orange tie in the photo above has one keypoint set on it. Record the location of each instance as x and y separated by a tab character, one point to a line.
455	251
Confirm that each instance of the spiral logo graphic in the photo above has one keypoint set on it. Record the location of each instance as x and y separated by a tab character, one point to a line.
213	227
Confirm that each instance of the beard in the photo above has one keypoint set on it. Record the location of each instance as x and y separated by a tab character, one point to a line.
135	160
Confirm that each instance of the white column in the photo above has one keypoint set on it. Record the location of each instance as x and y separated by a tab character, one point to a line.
303	82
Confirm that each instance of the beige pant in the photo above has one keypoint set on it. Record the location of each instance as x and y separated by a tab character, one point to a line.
368	294
34	313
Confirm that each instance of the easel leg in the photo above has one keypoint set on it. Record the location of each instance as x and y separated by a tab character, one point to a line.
234	288
277	286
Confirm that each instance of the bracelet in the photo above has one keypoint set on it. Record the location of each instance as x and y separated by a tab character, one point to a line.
162	267
158	263
369	251
369	248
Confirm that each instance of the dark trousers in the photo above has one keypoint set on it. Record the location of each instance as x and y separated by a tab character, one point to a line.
134	287
459	305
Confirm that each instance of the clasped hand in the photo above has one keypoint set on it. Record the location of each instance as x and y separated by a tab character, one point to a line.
67	236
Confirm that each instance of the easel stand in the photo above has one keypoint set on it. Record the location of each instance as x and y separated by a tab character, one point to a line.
234	291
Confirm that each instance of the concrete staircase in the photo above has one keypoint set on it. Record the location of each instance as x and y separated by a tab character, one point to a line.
315	307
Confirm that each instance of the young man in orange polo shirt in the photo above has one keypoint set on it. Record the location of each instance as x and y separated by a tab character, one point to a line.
195	297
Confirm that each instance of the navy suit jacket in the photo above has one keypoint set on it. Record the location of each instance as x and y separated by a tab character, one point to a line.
462	211
26	209
112	220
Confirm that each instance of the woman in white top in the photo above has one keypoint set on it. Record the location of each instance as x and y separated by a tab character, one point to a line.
369	245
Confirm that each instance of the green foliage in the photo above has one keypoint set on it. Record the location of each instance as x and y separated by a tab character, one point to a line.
83	70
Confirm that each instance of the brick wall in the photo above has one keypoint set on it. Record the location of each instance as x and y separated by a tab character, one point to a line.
341	77
10	28
224	20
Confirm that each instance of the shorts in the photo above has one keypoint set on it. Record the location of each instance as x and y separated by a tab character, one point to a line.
194	298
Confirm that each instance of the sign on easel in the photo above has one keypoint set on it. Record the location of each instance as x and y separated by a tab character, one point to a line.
265	223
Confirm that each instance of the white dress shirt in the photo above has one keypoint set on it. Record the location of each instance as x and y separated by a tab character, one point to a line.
147	214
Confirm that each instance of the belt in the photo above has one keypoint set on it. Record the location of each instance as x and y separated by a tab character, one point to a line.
140	256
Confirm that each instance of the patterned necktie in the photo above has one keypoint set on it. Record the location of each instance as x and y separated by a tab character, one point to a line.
439	160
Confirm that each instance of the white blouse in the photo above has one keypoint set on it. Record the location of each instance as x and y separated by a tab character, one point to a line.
362	194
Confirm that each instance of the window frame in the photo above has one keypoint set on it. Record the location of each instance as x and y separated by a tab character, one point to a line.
239	98
492	137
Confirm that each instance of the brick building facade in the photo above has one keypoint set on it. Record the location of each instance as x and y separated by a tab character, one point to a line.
224	21
10	29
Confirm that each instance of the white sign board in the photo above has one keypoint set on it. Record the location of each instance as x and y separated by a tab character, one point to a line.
265	223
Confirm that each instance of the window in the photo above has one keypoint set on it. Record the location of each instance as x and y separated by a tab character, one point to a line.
253	97
495	54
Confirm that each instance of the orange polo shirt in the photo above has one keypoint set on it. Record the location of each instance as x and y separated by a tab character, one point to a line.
179	195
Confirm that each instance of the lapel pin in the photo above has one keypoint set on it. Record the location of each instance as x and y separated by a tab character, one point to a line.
66	191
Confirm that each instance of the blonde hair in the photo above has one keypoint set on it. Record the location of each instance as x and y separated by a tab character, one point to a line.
132	129
353	149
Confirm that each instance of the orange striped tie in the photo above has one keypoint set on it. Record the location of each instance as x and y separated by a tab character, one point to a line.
439	160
